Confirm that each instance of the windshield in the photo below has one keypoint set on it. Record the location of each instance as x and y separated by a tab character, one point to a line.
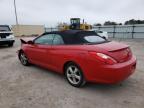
4	28
93	39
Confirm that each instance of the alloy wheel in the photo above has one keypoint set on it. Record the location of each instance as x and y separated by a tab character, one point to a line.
23	59
73	75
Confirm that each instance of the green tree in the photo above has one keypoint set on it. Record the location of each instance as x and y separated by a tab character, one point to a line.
133	21
97	24
110	23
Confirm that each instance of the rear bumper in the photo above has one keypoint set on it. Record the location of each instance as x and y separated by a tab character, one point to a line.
3	42
112	74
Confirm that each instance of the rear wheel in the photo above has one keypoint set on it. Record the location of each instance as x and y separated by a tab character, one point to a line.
74	75
23	58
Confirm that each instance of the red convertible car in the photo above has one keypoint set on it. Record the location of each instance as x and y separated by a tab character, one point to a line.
82	56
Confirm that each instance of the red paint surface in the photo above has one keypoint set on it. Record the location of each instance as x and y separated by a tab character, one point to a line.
54	57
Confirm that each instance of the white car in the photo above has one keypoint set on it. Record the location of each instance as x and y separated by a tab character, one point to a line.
6	36
102	33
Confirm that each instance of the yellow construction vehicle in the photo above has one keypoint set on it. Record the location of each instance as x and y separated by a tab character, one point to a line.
75	24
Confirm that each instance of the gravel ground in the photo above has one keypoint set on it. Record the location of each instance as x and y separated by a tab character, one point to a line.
35	87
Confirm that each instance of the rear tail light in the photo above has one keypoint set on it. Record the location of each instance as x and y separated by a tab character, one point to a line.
103	57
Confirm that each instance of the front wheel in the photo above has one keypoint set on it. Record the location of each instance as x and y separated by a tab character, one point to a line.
74	75
23	59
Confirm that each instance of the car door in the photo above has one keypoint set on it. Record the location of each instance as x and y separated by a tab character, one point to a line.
39	52
58	52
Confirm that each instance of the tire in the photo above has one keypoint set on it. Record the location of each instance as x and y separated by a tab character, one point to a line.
10	44
74	75
23	59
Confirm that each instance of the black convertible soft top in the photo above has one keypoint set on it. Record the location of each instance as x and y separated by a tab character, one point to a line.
73	36
70	32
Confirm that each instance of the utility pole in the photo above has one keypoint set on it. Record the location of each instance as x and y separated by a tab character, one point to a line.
15	12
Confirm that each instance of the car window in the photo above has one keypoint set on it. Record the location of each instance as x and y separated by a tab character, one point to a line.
45	39
93	39
58	40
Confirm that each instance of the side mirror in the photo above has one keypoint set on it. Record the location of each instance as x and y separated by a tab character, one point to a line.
30	42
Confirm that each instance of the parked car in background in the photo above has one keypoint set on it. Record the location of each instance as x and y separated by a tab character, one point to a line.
6	36
82	56
102	33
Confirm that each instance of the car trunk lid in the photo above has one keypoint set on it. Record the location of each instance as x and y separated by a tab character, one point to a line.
121	55
120	52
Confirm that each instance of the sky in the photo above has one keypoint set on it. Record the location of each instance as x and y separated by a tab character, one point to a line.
52	12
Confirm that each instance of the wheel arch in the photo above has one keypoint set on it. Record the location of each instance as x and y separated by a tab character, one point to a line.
82	72
68	62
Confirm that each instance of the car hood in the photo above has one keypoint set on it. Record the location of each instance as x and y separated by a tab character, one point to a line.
3	32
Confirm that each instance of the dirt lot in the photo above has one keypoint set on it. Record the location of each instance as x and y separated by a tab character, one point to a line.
34	87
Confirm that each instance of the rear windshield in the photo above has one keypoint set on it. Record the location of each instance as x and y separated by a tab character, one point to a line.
84	38
4	28
93	39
